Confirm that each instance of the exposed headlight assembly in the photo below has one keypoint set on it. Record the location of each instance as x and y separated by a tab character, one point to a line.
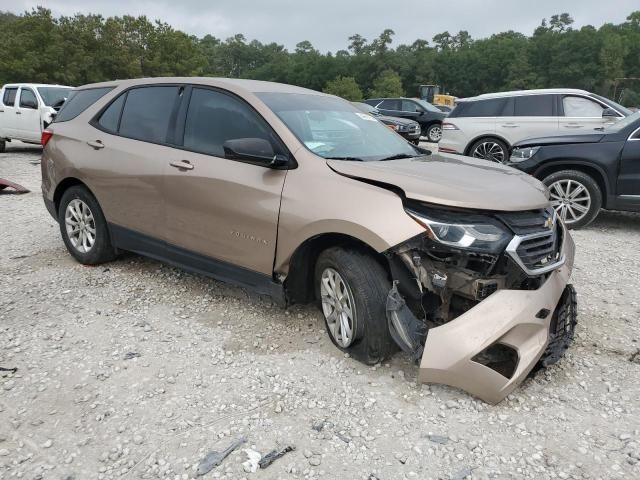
522	154
475	233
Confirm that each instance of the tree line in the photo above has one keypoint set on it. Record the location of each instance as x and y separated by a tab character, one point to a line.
80	49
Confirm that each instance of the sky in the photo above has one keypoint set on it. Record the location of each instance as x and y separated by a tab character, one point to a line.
327	24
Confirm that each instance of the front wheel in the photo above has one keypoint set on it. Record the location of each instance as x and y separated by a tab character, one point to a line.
434	132
352	288
490	149
575	196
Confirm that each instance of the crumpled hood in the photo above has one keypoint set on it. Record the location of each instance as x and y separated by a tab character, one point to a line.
452	180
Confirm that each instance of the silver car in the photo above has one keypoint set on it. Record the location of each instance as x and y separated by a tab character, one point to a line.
488	125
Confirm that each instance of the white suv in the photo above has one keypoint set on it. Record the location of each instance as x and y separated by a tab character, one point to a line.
487	125
27	108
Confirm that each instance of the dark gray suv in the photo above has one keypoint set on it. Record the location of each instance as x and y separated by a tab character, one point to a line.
429	117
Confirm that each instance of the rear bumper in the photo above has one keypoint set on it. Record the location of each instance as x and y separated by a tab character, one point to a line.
507	317
453	141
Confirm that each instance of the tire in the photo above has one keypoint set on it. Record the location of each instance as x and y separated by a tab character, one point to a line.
434	132
416	141
563	186
367	282
101	250
3	146
490	149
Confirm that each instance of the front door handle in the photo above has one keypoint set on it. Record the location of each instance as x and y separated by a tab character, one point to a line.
182	165
18	112
97	145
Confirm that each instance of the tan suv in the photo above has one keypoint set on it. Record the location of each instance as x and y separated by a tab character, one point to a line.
297	194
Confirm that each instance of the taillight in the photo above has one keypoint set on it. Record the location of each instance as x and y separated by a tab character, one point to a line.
46	136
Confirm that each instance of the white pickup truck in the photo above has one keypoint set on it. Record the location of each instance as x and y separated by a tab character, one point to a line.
27	108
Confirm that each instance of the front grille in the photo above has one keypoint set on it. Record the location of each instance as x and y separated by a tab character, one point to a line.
537	242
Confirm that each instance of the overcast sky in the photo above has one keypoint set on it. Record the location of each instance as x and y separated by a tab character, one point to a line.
329	23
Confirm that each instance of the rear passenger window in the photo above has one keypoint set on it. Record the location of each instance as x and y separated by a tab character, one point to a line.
79	101
111	116
581	107
534	106
214	117
410	107
147	112
9	97
390	105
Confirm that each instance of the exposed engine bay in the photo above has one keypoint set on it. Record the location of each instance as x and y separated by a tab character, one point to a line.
462	259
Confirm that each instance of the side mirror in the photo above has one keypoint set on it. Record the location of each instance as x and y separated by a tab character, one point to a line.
254	150
610	113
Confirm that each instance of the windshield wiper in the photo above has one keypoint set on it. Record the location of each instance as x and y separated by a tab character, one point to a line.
351	159
399	156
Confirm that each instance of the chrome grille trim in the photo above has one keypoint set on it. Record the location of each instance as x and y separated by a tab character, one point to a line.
517	240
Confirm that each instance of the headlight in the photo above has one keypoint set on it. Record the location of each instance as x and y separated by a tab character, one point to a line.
403	128
476	233
522	154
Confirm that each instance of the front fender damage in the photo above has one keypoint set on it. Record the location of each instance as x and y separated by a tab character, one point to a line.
478	322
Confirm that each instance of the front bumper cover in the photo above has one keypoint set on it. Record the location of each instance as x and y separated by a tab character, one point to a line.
507	317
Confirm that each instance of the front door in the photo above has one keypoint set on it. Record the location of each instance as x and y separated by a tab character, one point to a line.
582	115
223	209
28	127
629	176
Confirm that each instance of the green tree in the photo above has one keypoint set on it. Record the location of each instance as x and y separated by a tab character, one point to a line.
345	87
388	84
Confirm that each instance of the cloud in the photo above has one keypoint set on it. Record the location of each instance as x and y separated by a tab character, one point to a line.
329	23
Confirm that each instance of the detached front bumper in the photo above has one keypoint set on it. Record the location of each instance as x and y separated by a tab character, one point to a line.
518	319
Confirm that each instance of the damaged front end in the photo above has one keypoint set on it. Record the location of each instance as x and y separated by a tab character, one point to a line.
480	299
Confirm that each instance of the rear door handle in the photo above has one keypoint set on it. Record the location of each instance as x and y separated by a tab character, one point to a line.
510	125
97	145
182	165
573	125
18	112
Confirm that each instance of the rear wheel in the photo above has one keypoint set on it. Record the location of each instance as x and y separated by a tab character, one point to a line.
352	288
434	132
83	227
490	149
575	197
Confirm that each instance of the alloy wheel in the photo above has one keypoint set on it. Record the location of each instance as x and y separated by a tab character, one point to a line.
80	225
489	151
570	199
435	134
338	307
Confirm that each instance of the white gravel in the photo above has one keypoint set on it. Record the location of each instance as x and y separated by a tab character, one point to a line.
215	364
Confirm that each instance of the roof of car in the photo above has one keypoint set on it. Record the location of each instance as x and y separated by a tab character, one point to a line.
15	85
514	93
253	86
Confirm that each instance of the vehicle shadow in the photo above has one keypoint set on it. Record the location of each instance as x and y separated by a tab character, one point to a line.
614	220
23	148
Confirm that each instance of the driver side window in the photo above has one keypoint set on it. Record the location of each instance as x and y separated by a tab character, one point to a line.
410	107
28	99
581	107
214	117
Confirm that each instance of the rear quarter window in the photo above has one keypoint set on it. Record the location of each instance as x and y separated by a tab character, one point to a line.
79	101
480	108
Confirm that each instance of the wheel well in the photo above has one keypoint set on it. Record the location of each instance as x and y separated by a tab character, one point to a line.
586	169
64	186
486	137
299	284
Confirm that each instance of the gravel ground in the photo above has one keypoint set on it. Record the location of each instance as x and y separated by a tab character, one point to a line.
136	370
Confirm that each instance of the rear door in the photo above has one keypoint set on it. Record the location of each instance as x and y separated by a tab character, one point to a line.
8	112
528	116
216	207
581	115
28	123
629	176
128	151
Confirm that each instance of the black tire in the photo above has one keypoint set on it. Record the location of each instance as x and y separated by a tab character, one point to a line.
434	132
3	146
416	141
499	155
588	182
102	250
369	284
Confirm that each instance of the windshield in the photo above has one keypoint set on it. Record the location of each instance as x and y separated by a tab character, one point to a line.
54	96
624	110
333	128
622	123
427	106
